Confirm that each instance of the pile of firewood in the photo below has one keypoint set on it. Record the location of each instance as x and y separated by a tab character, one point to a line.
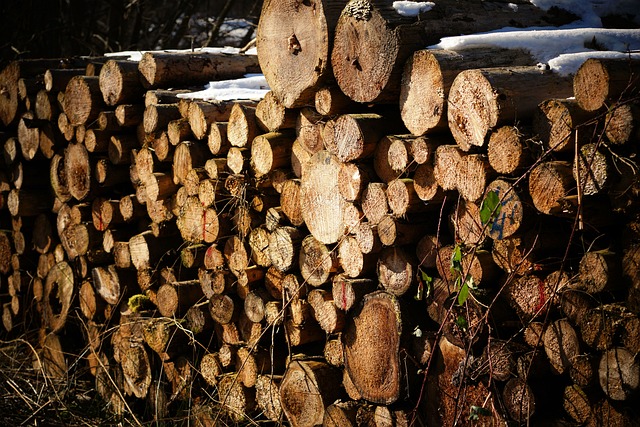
392	236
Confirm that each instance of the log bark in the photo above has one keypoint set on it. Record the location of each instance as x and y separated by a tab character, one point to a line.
159	69
428	75
600	81
479	100
295	72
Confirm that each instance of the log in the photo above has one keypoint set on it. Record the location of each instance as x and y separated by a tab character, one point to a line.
600	81
271	151
371	340
561	345
519	400
201	114
599	271
479	100
619	373
57	296
188	155
129	115
621	123
284	247
29	135
321	204
354	262
511	215
310	129
508	151
556	122
83	100
295	73
120	82
242	125
159	69
316	261
327	314
549	182
157	117
268	396
330	101
355	135
368	31
174	299
273	116
427	77
238	401
374	202
591	170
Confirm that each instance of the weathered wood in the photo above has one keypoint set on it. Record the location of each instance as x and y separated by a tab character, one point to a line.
561	345
548	183
355	135
622	123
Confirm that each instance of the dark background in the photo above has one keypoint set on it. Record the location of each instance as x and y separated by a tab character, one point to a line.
65	28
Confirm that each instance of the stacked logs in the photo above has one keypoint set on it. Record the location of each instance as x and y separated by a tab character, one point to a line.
322	256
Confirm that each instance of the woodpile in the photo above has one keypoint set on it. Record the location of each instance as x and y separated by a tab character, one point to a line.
430	239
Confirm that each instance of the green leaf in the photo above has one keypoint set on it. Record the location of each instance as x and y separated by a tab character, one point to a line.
490	207
424	284
476	411
461	322
420	293
456	260
464	293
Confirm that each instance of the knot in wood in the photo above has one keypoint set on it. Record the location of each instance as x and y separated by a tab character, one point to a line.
294	45
359	9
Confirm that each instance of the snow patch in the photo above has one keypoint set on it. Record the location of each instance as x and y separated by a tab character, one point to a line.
412	8
251	86
136	55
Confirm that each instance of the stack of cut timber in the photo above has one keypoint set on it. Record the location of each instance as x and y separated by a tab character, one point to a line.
430	238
